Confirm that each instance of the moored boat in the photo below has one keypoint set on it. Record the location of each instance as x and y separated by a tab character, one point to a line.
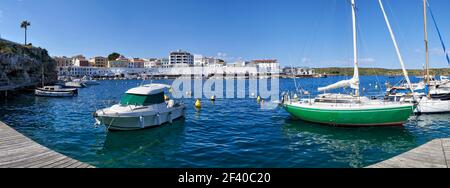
87	80
141	107
74	84
432	95
55	91
351	110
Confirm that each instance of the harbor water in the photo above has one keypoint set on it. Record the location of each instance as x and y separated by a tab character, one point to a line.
229	133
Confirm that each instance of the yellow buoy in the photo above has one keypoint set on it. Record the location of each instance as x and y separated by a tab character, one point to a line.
258	99
166	98
198	104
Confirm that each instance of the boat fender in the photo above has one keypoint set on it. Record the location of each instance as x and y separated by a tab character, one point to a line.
169	116
158	119
141	121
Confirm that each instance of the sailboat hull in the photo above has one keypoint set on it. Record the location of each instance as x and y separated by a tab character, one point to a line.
358	117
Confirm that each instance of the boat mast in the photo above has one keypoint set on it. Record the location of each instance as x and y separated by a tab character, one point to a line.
427	53
355	50
399	55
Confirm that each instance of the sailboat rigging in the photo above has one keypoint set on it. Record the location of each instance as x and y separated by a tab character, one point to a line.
350	110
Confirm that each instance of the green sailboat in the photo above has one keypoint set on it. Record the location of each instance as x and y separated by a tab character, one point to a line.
352	110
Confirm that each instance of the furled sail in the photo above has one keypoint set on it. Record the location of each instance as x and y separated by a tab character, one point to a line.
352	83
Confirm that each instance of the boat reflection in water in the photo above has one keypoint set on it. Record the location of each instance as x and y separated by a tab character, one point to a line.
144	148
356	147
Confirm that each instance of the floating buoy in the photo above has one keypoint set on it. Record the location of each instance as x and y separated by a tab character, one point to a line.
258	99
213	98
198	104
166	98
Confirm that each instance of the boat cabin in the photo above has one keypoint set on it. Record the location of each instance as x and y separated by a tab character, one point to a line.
145	95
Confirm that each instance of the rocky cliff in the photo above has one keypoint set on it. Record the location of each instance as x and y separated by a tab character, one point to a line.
22	66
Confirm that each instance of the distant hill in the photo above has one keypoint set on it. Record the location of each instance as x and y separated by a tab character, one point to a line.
22	66
378	71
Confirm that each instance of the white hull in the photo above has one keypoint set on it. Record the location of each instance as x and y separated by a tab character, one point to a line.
59	93
432	106
139	119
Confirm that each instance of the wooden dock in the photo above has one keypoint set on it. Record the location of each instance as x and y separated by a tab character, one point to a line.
18	151
434	154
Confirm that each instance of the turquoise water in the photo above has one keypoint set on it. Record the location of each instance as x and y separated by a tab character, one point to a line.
228	133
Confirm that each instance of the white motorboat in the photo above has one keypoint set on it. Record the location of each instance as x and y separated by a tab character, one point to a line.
55	91
75	84
89	81
141	107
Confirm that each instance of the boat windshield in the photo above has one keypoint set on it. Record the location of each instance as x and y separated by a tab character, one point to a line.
142	100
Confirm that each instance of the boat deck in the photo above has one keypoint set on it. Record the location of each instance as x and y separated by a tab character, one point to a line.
434	154
18	151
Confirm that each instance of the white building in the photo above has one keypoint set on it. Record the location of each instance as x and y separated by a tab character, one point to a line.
83	71
120	62
270	65
201	61
181	59
152	63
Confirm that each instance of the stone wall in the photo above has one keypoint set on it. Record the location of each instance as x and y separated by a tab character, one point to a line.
22	66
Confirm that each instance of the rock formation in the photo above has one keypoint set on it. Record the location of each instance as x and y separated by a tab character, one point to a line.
23	66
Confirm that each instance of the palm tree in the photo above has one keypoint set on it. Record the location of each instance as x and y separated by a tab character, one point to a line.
25	25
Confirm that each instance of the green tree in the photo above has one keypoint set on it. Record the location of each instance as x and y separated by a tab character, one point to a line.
25	24
113	56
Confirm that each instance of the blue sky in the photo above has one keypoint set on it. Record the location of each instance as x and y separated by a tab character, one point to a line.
314	33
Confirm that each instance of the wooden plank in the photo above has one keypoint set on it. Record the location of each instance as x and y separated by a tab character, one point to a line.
44	161
58	163
18	151
23	160
430	155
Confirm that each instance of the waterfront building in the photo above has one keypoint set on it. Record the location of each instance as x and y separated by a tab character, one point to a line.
120	62
136	63
152	63
165	63
304	71
201	61
266	63
80	71
181	58
80	62
63	61
99	61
